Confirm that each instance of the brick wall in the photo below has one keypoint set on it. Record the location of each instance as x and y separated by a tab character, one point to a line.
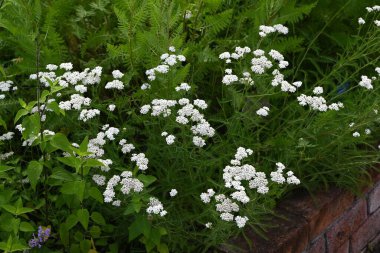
332	222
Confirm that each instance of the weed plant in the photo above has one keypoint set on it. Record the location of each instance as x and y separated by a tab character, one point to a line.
169	126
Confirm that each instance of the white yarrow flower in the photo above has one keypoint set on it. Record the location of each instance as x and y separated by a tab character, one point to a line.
318	90
117	74
173	192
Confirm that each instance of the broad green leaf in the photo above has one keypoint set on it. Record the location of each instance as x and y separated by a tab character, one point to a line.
20	113
17	210
17	247
98	218
71	221
26	227
83	146
162	248
96	194
34	171
55	107
138	227
92	163
134	206
22	102
56	89
61	142
95	231
64	234
44	94
83	217
15	225
30	105
62	174
85	245
6	196
155	236
32	125
74	188
146	179
70	161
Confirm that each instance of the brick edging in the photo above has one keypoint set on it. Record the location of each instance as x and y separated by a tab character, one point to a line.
331	222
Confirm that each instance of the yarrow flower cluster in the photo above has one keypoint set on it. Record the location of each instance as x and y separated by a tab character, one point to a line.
173	192
183	86
115	84
127	184
5	156
234	175
86	77
374	8
318	103
140	160
366	82
264	111
168	60
7	136
188	113
75	103
6	86
265	30
126	147
260	64
155	207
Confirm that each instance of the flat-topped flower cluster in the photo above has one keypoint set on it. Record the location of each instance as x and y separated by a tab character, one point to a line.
240	177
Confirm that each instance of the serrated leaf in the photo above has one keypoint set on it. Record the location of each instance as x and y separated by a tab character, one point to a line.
64	234
83	217
74	188
71	221
22	102
62	174
95	231
138	227
70	161
92	163
26	227
55	107
19	114
61	142
96	194
83	146
98	218
33	172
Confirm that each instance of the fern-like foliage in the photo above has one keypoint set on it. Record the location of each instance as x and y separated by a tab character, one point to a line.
292	13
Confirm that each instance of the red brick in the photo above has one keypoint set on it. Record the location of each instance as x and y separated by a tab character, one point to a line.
288	234
349	222
318	246
344	248
374	198
321	210
367	231
329	213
